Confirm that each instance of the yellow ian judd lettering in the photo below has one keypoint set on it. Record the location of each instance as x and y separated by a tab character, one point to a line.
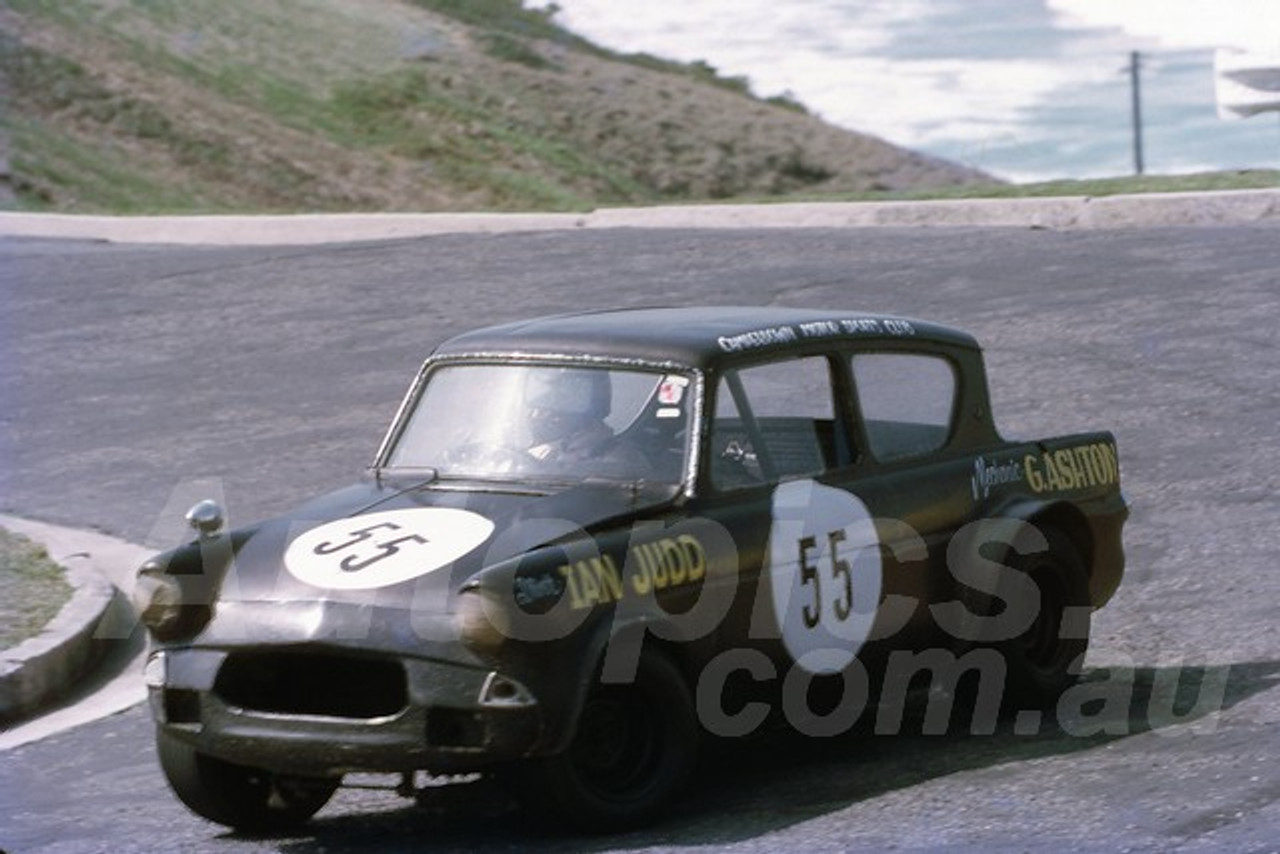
665	563
1072	468
592	581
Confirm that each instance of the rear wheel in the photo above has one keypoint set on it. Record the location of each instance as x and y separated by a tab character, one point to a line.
1045	660
247	799
634	748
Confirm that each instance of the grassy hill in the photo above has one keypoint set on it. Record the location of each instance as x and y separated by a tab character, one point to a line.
288	105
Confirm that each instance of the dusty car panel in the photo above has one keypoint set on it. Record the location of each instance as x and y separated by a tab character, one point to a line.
587	538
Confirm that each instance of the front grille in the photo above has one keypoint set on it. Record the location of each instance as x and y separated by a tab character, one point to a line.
310	683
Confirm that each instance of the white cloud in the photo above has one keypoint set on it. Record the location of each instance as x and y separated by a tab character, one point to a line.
1246	24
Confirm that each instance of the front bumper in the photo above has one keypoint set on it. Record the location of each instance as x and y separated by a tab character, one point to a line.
323	712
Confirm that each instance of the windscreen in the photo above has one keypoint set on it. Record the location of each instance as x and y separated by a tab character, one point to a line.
536	422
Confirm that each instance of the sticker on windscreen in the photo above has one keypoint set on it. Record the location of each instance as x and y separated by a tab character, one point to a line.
671	390
382	549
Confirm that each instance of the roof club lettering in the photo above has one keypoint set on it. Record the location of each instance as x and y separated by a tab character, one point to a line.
757	338
788	334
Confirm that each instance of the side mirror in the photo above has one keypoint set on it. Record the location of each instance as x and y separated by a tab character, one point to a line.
207	518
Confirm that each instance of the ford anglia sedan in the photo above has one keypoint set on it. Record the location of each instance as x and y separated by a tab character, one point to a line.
589	541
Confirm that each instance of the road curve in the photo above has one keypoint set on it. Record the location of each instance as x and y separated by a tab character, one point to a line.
138	378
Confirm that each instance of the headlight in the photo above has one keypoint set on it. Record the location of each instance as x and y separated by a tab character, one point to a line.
161	604
158	599
478	620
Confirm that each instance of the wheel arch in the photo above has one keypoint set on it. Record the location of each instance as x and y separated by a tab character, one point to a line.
645	760
1065	517
650	634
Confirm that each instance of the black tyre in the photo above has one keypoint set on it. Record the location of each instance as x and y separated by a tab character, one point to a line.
634	749
1045	660
246	799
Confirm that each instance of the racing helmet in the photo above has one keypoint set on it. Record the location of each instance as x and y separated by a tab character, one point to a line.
560	400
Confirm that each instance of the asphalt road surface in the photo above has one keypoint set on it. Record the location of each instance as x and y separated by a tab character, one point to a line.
134	380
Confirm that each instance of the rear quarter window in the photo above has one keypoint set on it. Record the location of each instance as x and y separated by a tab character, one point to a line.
773	422
907	402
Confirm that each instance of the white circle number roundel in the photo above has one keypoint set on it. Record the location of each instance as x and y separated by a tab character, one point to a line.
825	574
382	549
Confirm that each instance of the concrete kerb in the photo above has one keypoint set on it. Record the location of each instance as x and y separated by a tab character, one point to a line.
36	673
1152	209
39	669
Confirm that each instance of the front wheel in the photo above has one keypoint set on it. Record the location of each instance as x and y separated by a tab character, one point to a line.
634	748
246	799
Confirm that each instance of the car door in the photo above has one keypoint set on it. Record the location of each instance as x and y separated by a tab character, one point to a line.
779	475
832	475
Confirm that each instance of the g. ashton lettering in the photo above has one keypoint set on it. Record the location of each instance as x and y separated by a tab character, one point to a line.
1072	468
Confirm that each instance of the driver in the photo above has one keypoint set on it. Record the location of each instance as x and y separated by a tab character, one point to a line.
567	408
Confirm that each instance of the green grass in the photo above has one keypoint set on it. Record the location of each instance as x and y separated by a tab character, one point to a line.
102	175
511	49
409	115
1247	179
32	589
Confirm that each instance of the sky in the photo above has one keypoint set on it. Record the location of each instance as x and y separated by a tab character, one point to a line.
1028	89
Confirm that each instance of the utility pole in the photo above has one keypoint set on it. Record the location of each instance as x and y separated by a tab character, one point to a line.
1135	67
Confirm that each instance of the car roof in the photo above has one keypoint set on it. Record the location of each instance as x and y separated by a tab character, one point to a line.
697	336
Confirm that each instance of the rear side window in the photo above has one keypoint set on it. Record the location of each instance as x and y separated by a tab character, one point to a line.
907	401
774	422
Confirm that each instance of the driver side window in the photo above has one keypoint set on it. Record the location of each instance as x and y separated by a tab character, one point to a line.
774	422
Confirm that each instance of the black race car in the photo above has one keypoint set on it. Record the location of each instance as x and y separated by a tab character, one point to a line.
589	540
